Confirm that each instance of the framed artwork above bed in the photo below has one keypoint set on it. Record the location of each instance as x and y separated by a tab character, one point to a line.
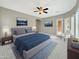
21	22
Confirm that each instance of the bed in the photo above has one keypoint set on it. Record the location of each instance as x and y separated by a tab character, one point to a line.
30	44
48	49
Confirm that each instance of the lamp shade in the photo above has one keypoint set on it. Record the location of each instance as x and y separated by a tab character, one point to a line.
6	31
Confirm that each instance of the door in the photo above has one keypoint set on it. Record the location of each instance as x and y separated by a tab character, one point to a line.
59	25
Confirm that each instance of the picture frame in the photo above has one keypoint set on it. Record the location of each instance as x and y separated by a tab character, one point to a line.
21	22
48	23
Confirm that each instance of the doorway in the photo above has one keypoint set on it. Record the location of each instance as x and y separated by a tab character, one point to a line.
59	25
38	24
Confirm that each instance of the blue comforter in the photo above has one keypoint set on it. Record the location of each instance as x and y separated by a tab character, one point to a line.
29	41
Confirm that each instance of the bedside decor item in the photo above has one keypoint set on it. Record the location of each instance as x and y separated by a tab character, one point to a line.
6	31
21	22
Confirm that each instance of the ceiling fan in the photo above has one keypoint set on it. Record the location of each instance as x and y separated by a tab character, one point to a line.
41	10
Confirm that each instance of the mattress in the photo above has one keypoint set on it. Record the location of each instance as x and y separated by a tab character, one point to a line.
30	41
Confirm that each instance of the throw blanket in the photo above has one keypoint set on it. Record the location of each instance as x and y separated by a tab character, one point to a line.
29	41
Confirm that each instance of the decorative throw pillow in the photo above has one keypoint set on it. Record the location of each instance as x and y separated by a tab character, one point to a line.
29	30
26	31
15	32
20	31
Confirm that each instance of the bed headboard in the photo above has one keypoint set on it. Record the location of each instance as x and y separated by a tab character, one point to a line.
21	30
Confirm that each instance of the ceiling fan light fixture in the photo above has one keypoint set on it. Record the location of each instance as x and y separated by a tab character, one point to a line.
41	10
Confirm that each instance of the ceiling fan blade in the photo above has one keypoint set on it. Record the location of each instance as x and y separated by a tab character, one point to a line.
38	8
46	9
35	11
45	12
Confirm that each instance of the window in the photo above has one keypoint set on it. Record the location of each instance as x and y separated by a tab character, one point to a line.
77	24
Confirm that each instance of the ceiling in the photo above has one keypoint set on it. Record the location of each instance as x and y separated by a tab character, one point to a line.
56	7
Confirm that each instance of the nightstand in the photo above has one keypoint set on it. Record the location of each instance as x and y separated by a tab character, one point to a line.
9	39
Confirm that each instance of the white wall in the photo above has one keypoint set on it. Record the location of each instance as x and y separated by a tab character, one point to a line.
8	19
